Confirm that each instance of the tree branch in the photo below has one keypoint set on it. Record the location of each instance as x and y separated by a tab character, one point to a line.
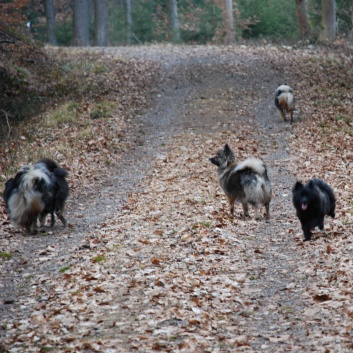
6	37
7	120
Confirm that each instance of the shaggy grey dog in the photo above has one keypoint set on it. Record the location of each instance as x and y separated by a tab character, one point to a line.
246	182
35	191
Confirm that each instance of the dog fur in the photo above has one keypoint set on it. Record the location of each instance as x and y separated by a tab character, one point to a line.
55	203
312	202
246	182
285	101
35	191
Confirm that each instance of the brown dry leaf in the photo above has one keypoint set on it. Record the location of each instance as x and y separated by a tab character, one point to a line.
155	261
320	298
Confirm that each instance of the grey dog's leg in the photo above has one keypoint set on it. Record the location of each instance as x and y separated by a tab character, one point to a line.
42	219
256	210
231	200
245	209
267	211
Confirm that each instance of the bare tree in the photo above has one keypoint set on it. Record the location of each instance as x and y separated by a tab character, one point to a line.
50	17
173	20
228	21
128	20
303	18
81	23
328	21
100	23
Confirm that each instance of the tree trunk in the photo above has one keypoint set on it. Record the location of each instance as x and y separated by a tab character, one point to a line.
101	23
303	19
173	20
228	21
128	20
81	23
328	21
50	16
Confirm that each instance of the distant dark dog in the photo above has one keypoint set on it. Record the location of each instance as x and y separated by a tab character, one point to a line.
312	202
246	182
285	101
35	191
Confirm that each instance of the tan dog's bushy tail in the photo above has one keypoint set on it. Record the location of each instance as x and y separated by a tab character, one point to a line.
285	101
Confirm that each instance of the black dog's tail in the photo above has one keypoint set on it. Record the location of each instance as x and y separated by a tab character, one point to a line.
9	187
329	191
49	164
60	172
52	167
60	188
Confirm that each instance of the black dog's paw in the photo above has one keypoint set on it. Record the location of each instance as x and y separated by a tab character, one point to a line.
307	236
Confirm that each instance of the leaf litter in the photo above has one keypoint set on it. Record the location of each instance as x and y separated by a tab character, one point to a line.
168	269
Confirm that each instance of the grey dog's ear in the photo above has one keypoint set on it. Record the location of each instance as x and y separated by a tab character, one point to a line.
227	149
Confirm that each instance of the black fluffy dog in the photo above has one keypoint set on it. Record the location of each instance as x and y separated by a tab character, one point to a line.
35	191
312	202
59	191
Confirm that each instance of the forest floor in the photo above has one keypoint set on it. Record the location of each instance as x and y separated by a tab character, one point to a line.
151	259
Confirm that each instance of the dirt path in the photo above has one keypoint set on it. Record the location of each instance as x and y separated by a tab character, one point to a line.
178	274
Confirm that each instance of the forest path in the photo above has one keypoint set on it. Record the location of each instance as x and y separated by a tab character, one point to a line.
178	274
231	94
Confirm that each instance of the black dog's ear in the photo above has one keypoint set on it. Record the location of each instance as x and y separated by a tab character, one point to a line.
297	186
311	184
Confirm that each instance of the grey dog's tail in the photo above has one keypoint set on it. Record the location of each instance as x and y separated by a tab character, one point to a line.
259	191
252	163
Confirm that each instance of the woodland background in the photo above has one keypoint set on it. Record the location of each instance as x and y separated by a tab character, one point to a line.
120	22
27	25
151	260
